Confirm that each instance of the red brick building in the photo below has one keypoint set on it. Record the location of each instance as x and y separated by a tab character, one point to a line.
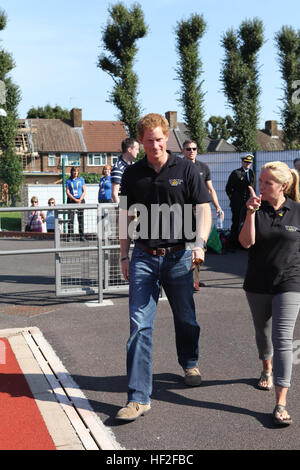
43	144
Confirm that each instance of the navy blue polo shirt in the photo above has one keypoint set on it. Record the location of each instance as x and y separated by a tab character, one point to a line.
118	170
164	200
274	259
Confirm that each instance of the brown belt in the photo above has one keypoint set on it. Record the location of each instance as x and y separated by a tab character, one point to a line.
160	251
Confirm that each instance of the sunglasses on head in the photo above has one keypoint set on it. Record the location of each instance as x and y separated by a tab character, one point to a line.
190	148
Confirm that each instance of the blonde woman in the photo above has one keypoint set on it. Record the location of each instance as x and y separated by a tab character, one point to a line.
36	218
271	231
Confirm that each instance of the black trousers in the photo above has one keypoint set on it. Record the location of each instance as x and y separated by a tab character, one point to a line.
79	213
234	231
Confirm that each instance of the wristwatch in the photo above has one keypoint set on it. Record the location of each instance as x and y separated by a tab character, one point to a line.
201	244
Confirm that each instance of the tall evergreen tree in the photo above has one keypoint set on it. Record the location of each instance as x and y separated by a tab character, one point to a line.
288	44
218	127
240	79
125	26
10	164
189	70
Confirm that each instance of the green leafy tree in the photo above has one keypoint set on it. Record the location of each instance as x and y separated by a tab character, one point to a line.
90	178
218	127
189	70
240	80
10	164
125	26
49	112
288	44
11	172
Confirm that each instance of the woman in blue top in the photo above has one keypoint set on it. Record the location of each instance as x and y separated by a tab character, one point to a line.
104	194
50	216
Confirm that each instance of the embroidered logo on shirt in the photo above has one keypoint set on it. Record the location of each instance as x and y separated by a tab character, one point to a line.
291	228
175	182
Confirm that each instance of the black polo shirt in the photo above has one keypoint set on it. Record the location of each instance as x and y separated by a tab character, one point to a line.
204	170
178	186
274	259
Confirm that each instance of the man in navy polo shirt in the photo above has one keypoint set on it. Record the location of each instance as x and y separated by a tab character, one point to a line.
160	187
130	150
189	150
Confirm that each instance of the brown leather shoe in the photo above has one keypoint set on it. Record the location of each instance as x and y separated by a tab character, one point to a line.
192	377
132	411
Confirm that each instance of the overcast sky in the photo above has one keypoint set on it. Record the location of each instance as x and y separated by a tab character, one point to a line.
56	44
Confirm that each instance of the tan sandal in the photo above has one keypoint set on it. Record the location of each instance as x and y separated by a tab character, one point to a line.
278	416
266	376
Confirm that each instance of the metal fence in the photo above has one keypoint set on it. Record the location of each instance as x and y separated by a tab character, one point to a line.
85	246
92	265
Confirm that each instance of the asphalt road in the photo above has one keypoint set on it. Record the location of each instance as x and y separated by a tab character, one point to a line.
226	412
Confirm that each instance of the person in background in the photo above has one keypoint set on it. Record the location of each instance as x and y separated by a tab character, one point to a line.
130	150
271	232
160	257
104	194
50	216
297	164
76	190
190	153
36	218
237	189
297	167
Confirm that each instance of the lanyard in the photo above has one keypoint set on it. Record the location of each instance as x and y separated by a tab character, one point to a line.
76	184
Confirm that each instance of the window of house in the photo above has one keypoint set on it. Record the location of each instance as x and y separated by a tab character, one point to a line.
97	159
52	160
114	158
70	159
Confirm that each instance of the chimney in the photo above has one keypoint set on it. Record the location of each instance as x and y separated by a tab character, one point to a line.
271	127
76	117
171	116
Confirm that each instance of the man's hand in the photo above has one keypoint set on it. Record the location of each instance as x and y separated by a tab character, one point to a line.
198	256
125	269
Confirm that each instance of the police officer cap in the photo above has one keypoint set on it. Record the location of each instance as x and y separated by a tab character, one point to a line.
248	158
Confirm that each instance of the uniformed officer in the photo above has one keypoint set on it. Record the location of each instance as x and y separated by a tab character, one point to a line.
237	189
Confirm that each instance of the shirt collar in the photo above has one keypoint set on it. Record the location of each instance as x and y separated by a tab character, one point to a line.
171	160
287	205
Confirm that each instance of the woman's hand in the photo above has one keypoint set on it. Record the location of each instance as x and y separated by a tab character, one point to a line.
254	202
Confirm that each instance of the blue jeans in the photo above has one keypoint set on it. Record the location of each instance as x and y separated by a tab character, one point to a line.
147	273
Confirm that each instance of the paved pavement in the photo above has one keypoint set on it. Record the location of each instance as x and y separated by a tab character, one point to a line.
88	342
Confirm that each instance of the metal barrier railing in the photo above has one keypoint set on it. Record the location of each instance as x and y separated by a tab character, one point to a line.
86	256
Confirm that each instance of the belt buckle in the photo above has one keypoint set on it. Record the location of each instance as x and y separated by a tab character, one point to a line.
161	251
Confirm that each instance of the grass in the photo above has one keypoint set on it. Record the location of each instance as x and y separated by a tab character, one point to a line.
10	221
